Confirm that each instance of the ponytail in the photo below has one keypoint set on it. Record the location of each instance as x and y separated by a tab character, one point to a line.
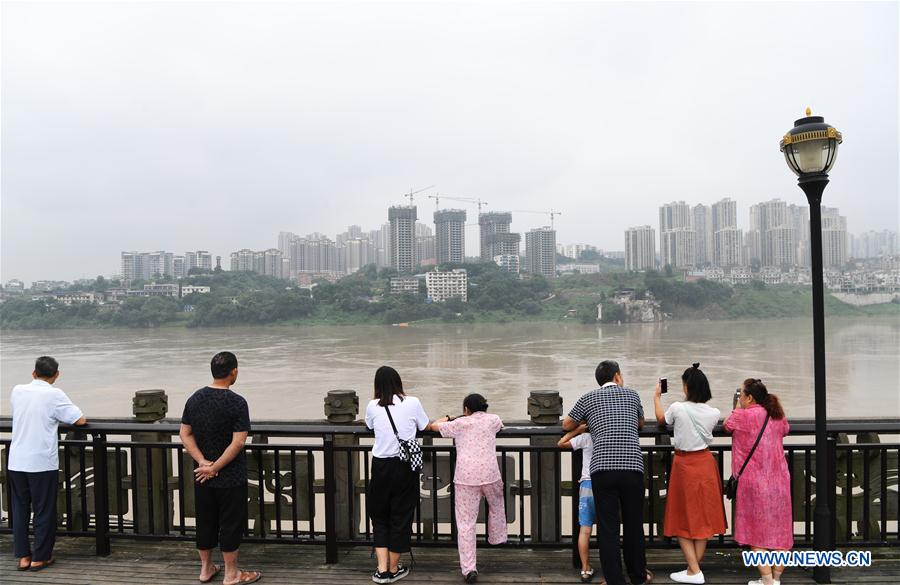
755	388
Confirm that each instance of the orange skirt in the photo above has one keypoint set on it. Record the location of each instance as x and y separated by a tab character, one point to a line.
694	505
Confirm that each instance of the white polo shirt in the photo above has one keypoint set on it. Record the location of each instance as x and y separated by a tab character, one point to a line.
408	415
37	410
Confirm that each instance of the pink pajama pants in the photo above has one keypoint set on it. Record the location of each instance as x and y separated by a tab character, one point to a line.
468	497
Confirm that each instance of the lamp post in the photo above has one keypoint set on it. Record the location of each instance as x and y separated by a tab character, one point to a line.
810	149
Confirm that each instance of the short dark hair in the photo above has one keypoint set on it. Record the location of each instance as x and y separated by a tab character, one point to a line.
46	367
222	364
475	403
697	384
606	371
387	385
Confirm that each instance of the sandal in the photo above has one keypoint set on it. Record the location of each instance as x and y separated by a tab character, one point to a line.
26	566
246	577
43	564
649	576
216	569
586	576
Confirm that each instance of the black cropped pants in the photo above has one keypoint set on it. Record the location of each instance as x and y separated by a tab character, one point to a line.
391	500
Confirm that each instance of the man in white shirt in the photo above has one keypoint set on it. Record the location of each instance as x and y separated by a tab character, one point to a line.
37	410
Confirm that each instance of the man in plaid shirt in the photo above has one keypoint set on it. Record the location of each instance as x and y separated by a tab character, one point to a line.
614	416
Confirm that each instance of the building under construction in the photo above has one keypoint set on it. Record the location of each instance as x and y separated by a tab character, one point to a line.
403	238
496	239
450	235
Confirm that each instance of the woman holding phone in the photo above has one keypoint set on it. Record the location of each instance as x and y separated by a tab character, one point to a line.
694	507
763	517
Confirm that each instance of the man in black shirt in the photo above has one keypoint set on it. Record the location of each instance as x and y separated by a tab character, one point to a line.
214	428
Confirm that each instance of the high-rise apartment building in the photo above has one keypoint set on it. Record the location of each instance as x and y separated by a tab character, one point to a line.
640	248
178	267
723	214
540	251
703	234
834	238
200	259
426	250
780	248
677	238
496	239
382	241
729	247
798	219
243	261
873	244
149	265
266	262
358	252
450	235
728	239
284	243
133	266
574	251
773	235
403	237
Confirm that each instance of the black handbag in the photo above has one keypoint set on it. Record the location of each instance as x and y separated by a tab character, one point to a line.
732	484
410	450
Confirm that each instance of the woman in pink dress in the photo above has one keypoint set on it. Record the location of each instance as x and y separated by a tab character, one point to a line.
762	518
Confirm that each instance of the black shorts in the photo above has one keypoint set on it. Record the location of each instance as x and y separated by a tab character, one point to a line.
221	517
391	501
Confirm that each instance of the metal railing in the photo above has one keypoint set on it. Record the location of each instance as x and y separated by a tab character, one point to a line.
307	486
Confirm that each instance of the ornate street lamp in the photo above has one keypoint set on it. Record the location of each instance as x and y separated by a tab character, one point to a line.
810	149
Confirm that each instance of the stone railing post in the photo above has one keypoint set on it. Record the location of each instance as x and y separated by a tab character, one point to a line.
342	408
544	408
152	472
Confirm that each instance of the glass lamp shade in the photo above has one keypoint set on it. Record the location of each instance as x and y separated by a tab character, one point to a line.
812	156
811	146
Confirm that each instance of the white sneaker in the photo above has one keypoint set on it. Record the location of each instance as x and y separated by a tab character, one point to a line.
760	582
683	577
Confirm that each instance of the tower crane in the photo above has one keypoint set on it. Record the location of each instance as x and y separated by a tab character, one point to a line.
411	192
437	200
552	213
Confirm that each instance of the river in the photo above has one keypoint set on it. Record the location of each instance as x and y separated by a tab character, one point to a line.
286	371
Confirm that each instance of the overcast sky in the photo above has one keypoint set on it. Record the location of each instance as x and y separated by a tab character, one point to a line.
184	126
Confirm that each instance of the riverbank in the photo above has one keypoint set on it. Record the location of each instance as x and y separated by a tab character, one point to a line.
494	297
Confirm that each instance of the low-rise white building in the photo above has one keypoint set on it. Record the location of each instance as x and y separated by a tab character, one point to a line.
508	262
79	298
156	290
580	268
404	284
447	285
189	289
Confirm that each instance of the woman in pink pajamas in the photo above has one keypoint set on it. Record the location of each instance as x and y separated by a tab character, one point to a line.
477	475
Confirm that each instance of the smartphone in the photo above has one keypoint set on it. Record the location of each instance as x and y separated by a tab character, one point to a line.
663	385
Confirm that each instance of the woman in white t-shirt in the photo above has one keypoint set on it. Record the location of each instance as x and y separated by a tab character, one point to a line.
393	489
694	507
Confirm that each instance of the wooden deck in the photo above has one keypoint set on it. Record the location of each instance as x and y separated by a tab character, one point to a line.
149	562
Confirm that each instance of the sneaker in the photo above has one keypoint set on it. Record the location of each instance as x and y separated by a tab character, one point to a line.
379	577
683	577
761	582
472	576
401	572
